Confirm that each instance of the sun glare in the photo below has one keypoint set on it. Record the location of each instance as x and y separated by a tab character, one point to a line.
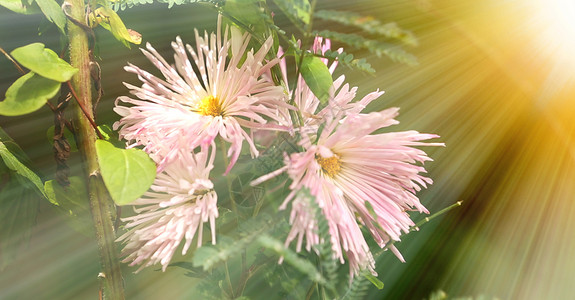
558	21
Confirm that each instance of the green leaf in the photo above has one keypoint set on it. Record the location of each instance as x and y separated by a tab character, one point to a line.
317	77
20	6
374	280
53	12
13	163
28	94
110	20
18	209
127	173
209	256
369	25
44	62
298	11
72	201
247	13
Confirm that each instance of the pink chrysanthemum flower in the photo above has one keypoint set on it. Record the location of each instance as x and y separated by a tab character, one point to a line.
177	205
211	95
350	170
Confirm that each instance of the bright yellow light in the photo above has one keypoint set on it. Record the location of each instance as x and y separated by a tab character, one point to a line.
558	28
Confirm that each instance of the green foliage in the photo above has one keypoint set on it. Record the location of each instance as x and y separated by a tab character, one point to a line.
209	256
317	76
123	4
358	287
21	6
12	157
18	209
19	199
438	295
69	136
374	280
369	25
290	257
195	272
298	11
127	173
109	20
73	202
211	287
247	15
44	62
28	94
378	48
329	265
53	12
348	60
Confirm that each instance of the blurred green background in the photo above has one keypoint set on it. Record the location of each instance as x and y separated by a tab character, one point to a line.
496	80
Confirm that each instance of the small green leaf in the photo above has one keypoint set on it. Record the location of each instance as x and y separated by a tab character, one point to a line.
14	164
44	62
374	280
53	12
110	20
27	94
127	173
106	131
317	77
20	6
72	201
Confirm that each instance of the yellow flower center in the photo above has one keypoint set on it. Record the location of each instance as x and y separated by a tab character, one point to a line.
330	165
210	106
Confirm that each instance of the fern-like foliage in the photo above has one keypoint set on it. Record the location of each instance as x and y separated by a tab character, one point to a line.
358	287
123	4
369	25
292	258
209	256
328	264
378	48
349	61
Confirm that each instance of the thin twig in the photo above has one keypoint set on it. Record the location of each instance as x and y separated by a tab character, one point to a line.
13	61
55	110
100	136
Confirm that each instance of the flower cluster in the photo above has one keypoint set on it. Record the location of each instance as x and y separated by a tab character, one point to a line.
221	92
358	178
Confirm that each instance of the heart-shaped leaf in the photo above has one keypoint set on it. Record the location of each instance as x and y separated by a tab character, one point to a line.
27	94
127	173
44	62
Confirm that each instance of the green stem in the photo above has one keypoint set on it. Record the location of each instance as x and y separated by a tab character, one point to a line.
228	181
100	202
229	280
